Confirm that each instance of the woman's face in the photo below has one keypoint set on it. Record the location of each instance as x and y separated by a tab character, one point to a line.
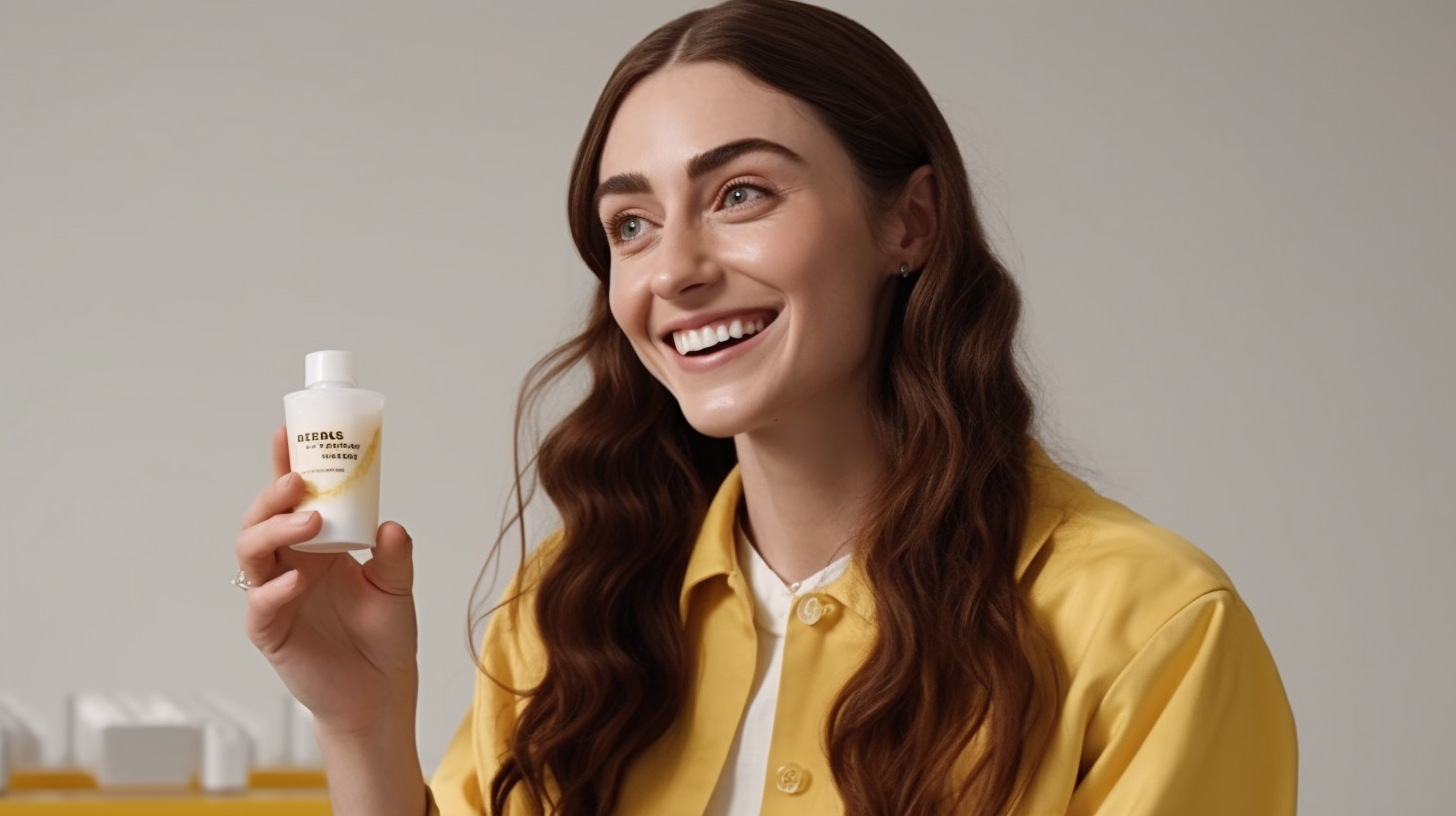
745	270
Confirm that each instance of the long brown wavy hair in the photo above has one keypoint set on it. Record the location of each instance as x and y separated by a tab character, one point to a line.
941	717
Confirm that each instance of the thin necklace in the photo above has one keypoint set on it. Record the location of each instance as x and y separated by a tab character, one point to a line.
741	521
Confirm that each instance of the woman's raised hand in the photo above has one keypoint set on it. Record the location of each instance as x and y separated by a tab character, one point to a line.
341	634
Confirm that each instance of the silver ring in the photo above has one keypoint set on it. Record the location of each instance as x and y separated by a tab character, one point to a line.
242	582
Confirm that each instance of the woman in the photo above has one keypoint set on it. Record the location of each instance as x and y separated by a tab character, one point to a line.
810	560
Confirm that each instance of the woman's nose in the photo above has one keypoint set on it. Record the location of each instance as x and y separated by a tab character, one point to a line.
684	265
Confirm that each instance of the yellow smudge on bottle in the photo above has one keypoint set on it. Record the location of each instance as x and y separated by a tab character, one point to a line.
366	462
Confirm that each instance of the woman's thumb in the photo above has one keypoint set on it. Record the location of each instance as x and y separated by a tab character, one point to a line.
391	569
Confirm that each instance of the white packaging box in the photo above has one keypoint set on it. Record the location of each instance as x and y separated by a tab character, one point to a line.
22	735
135	742
229	742
227	758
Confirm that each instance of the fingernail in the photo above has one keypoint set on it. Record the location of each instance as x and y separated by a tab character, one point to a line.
283	480
303	518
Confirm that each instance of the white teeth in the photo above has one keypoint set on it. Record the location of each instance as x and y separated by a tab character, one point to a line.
708	336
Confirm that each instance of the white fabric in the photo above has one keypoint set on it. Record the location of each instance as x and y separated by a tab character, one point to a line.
740	788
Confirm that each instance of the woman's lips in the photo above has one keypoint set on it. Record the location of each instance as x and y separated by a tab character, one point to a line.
721	352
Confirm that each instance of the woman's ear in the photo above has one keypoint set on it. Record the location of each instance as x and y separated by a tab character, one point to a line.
911	221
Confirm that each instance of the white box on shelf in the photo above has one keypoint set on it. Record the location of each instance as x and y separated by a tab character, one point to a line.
22	734
227	758
134	742
229	742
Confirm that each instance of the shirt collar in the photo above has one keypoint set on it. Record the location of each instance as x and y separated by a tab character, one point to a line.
1052	490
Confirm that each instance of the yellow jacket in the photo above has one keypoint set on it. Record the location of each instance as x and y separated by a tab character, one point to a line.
1172	703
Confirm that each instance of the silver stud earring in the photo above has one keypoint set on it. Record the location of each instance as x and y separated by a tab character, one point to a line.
904	270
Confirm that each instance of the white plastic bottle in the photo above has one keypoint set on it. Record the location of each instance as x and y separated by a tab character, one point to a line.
335	434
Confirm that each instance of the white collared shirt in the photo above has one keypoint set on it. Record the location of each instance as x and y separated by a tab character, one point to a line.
745	772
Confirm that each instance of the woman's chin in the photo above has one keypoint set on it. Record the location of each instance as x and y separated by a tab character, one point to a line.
715	427
718	422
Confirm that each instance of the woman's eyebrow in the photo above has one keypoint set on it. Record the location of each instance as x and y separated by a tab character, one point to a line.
698	166
621	184
704	163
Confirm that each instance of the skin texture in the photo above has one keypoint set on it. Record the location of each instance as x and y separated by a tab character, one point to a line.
798	239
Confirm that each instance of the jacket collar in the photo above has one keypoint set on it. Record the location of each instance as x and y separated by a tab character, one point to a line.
1052	490
713	553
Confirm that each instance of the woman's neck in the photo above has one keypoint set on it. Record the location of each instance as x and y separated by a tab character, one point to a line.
807	487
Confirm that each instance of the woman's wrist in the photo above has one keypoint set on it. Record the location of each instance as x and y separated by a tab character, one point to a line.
373	770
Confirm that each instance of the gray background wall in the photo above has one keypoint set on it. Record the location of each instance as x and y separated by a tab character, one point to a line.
1232	222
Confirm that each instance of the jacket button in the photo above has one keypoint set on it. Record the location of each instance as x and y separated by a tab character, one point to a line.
791	779
812	610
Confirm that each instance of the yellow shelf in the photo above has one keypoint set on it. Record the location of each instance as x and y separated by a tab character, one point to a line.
96	803
73	792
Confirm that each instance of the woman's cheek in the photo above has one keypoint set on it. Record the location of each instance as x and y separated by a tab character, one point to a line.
620	299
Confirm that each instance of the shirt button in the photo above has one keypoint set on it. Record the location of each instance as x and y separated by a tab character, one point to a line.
791	779
812	610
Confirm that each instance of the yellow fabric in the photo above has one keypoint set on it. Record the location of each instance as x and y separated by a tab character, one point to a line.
1171	702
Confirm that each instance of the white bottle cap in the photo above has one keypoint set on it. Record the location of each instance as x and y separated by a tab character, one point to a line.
329	367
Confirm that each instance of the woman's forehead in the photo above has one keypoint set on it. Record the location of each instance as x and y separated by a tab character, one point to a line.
685	110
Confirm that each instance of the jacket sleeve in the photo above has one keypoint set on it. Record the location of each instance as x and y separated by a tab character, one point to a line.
1197	724
474	753
455	790
512	654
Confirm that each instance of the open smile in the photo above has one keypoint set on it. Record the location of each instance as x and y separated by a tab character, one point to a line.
717	334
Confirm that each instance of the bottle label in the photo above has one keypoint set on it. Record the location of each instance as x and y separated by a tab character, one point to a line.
336	458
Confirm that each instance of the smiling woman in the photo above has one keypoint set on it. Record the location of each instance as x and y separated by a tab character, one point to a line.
811	559
742	206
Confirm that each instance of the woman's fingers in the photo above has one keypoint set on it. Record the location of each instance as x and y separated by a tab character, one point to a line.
266	622
258	544
278	497
261	535
391	567
281	461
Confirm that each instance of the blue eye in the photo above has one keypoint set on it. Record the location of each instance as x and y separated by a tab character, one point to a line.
629	228
741	194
